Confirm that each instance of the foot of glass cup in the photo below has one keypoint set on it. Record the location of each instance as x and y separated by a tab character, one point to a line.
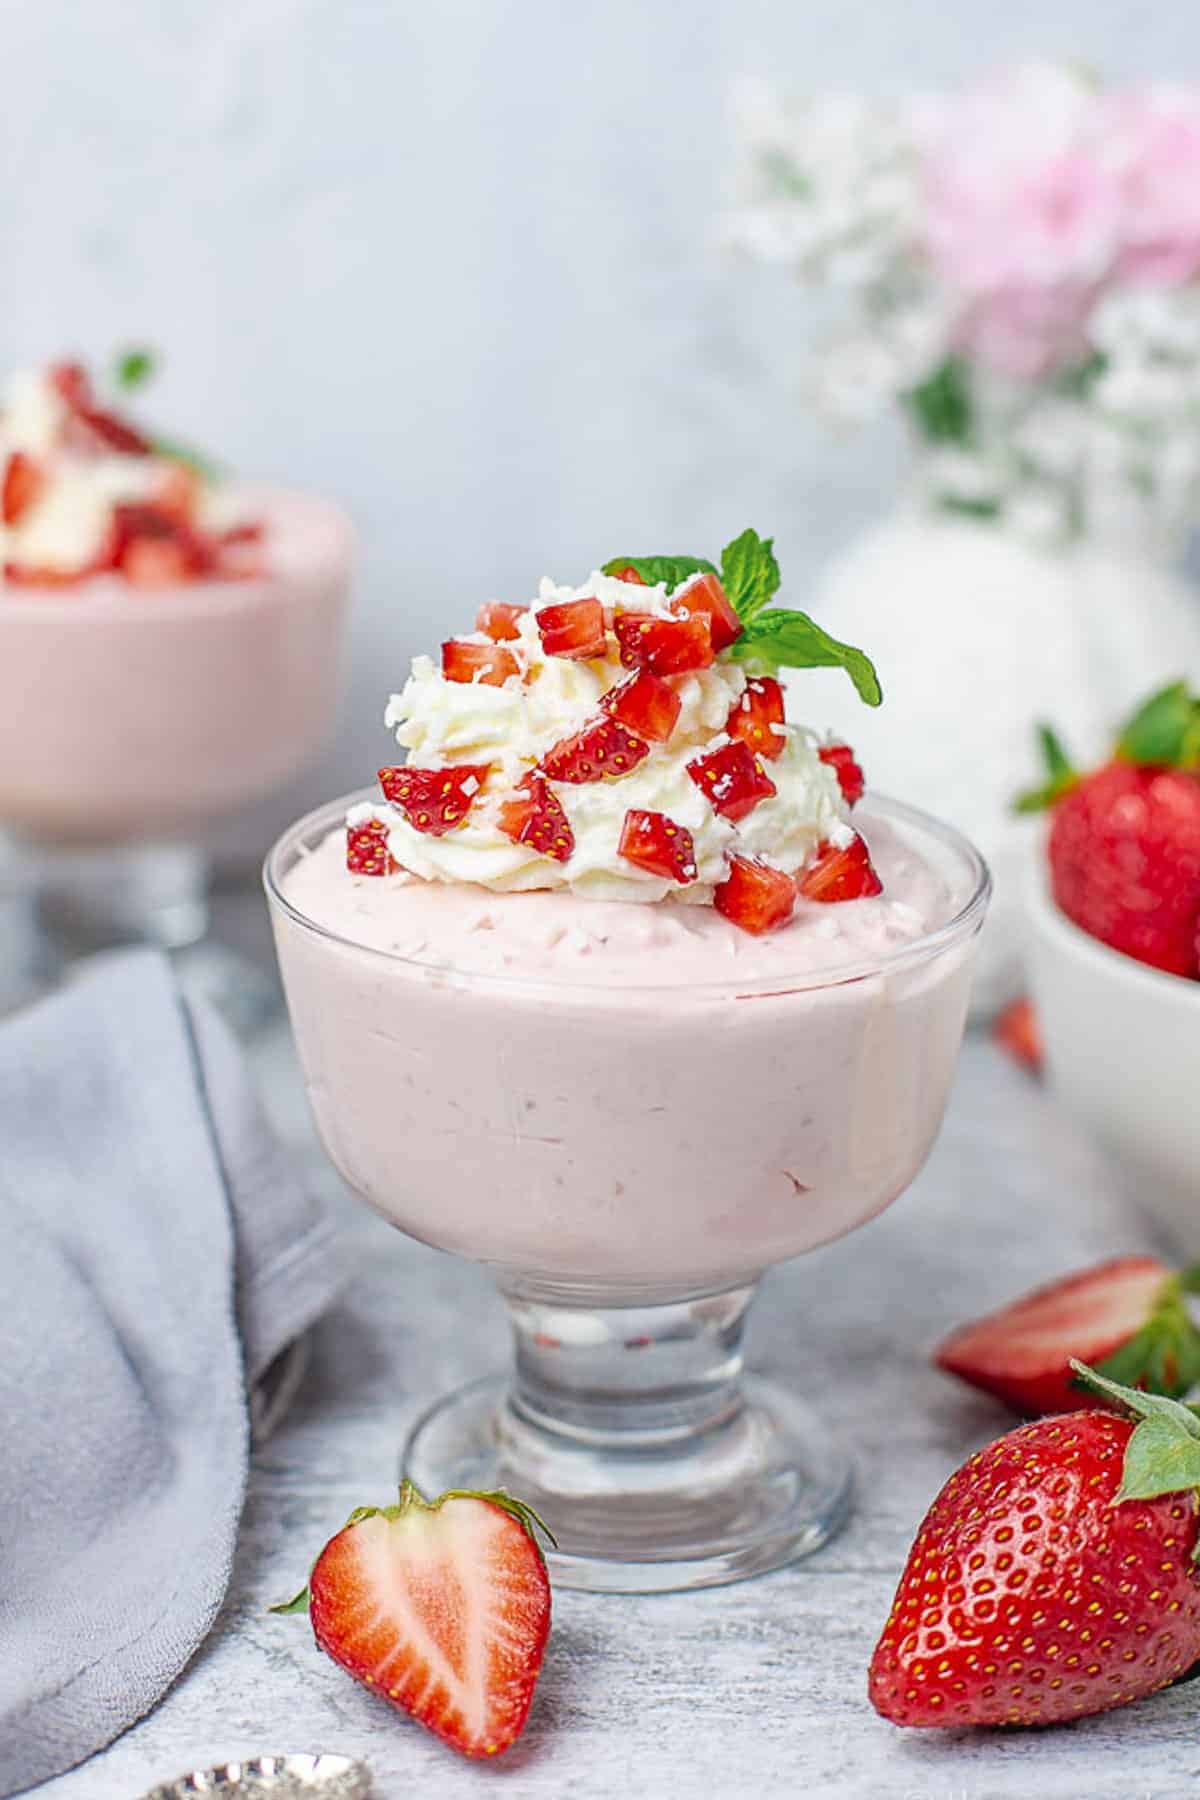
92	899
633	1432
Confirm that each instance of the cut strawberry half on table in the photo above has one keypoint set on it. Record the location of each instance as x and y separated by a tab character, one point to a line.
1054	1575
840	874
703	597
664	646
367	849
646	704
841	759
1017	1031
755	896
1128	1317
599	750
754	718
536	817
732	780
441	1608
24	480
575	629
490	665
657	844
434	800
500	621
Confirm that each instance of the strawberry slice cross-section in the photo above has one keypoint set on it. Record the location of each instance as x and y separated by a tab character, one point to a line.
664	646
644	703
490	665
754	896
442	1609
434	800
732	779
367	848
840	874
535	817
574	629
601	749
754	718
652	841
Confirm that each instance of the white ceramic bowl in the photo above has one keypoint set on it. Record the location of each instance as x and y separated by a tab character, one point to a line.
1123	1052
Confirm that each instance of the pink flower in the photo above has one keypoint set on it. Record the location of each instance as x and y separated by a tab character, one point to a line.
1025	331
1154	151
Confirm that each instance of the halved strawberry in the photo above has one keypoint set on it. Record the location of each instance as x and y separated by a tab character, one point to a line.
535	817
665	646
753	719
500	621
1127	1316
574	629
845	874
24	480
755	896
367	849
733	780
653	842
645	704
1017	1031
604	748
434	800
702	596
840	758
442	1608
491	665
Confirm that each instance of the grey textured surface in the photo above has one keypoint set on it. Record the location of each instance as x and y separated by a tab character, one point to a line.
454	264
755	1690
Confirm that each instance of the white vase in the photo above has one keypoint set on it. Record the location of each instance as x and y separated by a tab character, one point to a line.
977	635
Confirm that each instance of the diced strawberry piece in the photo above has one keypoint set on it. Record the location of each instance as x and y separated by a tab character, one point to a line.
840	758
178	498
34	575
500	621
653	842
24	480
491	665
754	896
646	704
70	382
840	874
434	800
1022	1353
247	531
575	629
536	817
599	750
665	646
156	562
443	1609
754	717
153	549
732	779
1017	1031
702	596
627	572
367	849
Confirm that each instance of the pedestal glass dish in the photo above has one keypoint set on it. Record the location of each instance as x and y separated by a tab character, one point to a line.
628	1161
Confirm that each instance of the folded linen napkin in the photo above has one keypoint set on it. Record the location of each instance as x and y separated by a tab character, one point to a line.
157	1253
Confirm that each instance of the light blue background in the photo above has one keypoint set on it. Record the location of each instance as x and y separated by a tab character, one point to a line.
455	264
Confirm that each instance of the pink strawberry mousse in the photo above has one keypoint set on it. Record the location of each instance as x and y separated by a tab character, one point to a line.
626	1013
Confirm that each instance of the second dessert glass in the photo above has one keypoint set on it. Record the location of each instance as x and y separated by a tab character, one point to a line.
628	1161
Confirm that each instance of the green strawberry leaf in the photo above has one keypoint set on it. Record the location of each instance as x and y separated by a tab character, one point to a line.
297	1604
1166	730
1164	1356
1160	1458
781	639
674	570
133	368
1061	775
749	574
1133	1400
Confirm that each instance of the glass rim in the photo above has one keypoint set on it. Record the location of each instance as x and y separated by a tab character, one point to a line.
962	924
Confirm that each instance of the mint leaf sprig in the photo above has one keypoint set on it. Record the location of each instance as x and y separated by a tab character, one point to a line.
773	637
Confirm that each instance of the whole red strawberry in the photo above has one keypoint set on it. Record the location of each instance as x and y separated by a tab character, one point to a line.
1124	842
1053	1576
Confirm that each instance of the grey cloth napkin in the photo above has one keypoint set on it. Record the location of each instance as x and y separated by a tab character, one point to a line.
157	1253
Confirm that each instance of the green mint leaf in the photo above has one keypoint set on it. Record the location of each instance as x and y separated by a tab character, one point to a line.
674	570
1166	730
749	574
134	367
1160	1458
1060	772
782	639
941	406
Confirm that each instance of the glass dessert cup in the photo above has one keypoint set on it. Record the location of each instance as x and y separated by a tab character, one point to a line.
628	1161
132	720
